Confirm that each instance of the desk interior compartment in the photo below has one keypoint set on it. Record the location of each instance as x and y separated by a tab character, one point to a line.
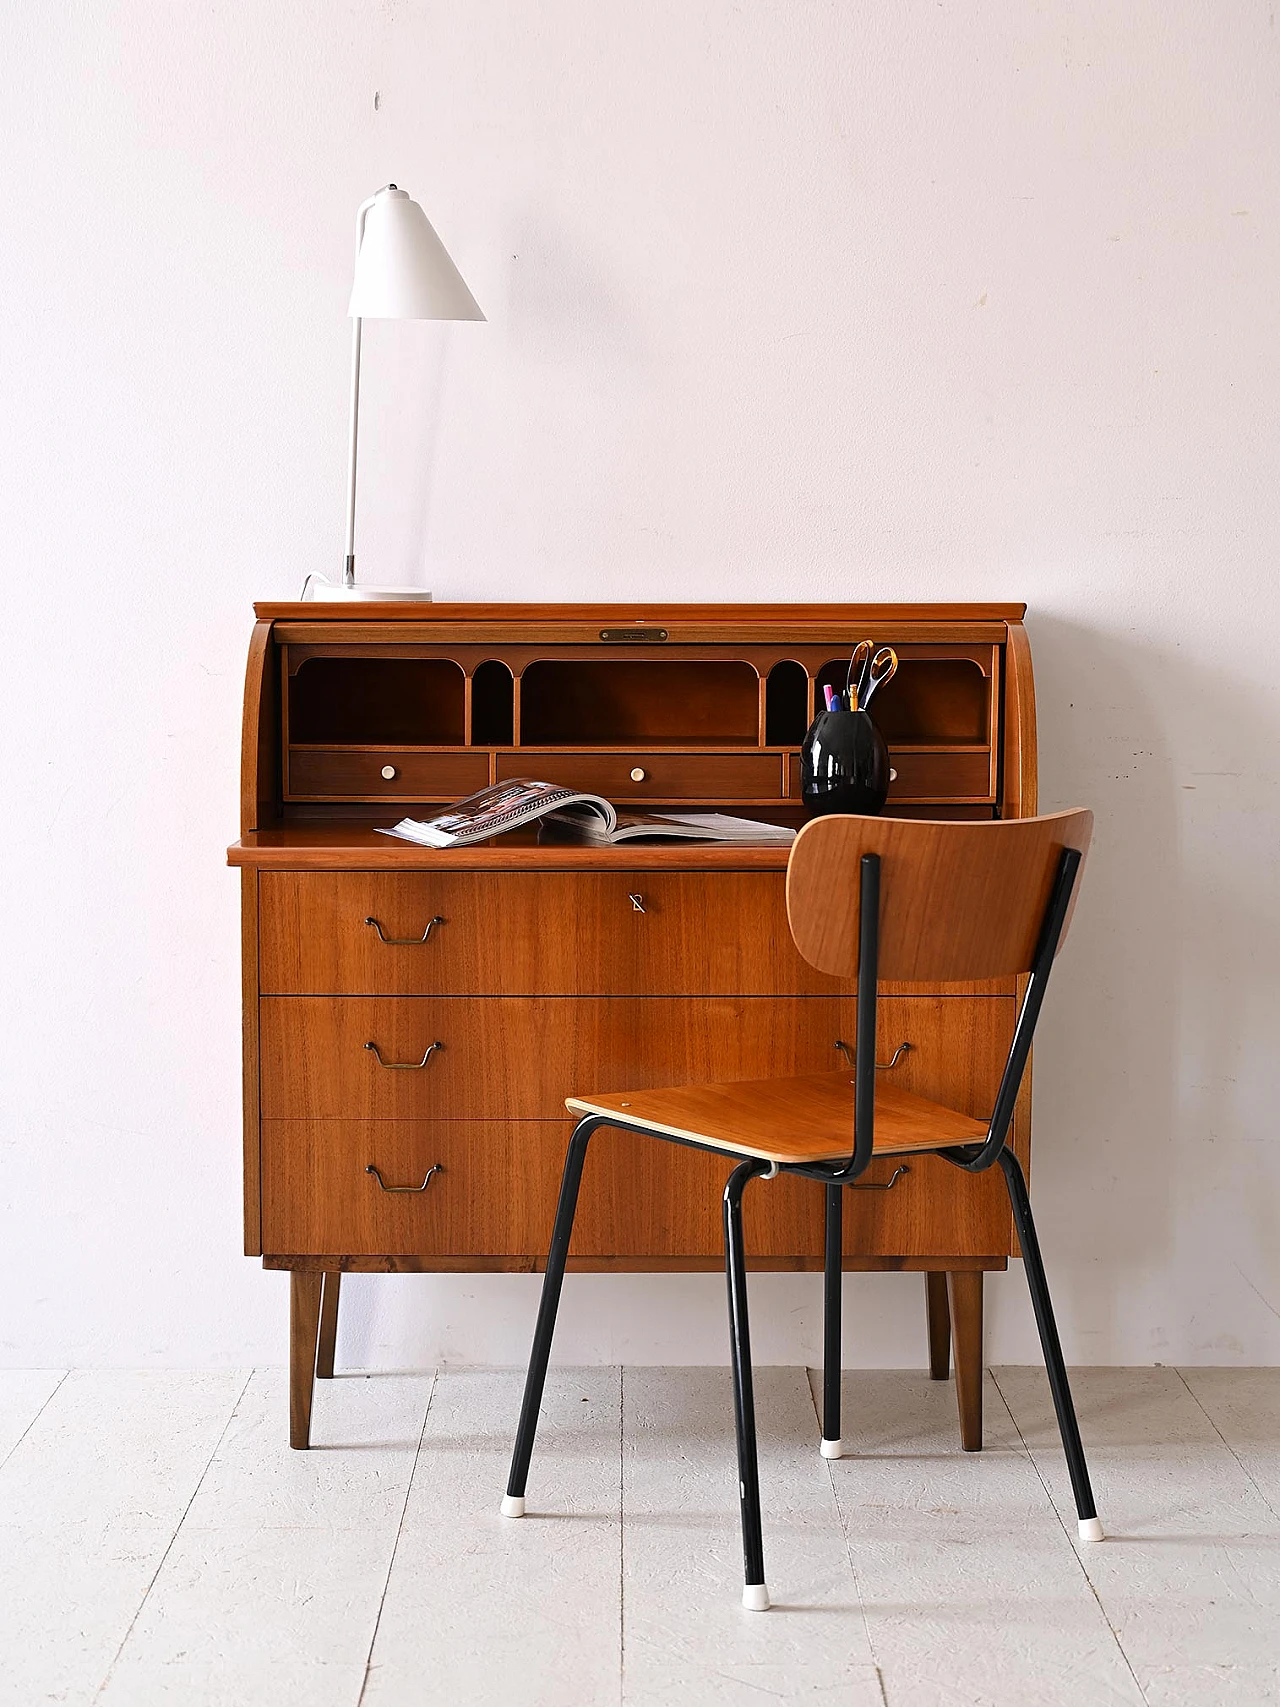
930	701
376	701
613	702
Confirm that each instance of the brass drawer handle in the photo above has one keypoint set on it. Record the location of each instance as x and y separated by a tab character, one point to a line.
881	1066
404	1066
438	1168
405	941
885	1185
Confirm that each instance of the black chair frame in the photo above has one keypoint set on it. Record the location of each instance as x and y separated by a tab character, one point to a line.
973	1158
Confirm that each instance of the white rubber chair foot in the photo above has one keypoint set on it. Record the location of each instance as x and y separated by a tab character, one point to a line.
755	1597
1091	1529
513	1505
832	1448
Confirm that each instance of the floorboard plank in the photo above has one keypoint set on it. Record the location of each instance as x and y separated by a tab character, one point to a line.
687	1640
91	1498
272	1586
971	1589
157	1532
486	1609
1190	1573
1244	1406
23	1395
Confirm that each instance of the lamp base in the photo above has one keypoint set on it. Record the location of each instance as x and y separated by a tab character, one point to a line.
320	587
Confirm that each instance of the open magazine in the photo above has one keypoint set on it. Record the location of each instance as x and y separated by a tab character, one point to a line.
581	817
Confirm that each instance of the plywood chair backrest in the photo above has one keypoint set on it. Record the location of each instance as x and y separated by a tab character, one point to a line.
959	902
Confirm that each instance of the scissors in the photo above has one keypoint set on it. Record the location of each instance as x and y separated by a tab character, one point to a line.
874	667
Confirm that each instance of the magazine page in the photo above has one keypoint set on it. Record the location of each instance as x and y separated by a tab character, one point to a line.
693	826
718	827
505	806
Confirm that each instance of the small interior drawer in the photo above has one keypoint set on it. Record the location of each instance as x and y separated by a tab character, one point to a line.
698	779
942	776
383	773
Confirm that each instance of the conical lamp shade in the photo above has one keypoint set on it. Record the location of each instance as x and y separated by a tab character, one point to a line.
403	270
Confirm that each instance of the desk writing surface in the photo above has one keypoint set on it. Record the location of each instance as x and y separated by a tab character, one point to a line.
360	847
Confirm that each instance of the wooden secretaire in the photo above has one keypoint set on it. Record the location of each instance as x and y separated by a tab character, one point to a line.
414	1019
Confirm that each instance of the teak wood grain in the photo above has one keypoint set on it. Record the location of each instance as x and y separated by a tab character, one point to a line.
250	1085
804	1119
327	1338
690	779
964	1292
719	620
495	1193
631	1262
350	844
512	1058
544	978
322	773
938	1316
957	901
316	1063
530	934
304	1324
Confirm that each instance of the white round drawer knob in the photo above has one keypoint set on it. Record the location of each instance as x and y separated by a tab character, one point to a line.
893	775
637	775
388	773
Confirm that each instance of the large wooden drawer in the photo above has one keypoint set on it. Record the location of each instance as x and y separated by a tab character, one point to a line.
518	1057
693	778
495	1193
930	1209
529	933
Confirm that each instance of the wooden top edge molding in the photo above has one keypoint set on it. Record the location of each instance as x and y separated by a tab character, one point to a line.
808	615
317	847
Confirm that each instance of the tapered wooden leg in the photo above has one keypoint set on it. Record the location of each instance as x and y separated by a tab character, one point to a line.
304	1324
328	1324
935	1298
964	1288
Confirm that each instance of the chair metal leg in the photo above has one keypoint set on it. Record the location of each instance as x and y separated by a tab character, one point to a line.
833	1276
755	1596
552	1280
1068	1427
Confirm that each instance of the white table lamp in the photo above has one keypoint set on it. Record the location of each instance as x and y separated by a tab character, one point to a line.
403	272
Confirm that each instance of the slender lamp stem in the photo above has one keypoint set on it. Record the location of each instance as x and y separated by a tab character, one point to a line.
349	568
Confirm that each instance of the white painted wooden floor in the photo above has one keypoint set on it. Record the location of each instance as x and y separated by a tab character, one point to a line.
159	1542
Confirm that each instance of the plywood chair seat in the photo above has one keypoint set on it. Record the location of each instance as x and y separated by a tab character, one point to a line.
797	1121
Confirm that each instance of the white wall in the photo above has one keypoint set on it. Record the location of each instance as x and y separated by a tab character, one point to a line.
786	301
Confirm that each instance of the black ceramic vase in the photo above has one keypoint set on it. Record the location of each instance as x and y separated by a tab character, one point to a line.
844	764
